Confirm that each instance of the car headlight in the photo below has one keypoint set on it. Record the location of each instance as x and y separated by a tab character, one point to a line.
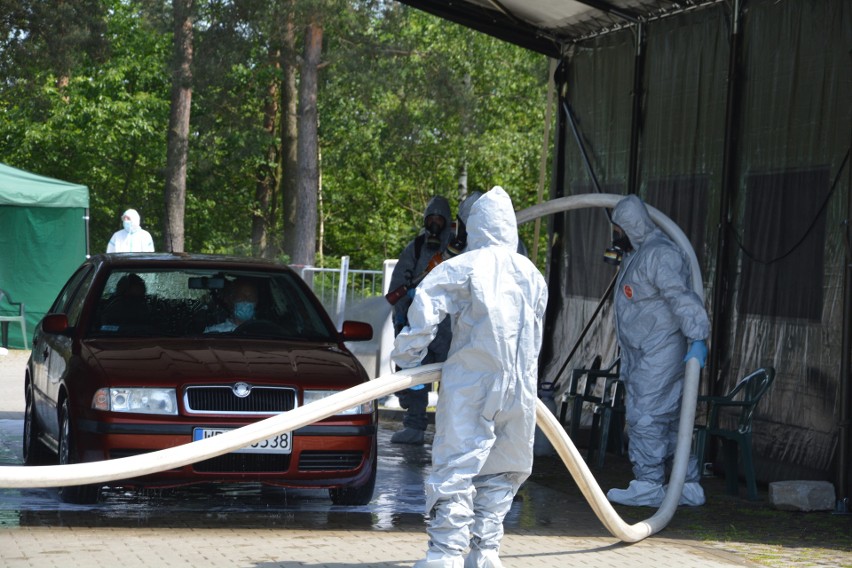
139	400
315	395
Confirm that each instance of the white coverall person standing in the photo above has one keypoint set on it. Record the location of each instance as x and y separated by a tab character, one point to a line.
485	419
132	238
658	316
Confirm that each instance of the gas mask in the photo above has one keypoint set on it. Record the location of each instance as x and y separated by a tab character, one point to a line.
434	225
459	243
620	246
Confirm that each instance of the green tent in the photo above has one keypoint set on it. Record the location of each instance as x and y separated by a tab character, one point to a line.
43	236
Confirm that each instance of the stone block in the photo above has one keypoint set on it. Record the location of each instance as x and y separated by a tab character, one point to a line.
802	495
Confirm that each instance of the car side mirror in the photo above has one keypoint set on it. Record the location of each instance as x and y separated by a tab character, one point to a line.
55	323
356	331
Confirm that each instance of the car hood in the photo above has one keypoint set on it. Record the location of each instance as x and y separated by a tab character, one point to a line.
188	362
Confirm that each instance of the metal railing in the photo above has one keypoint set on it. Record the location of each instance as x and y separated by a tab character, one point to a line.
358	295
338	287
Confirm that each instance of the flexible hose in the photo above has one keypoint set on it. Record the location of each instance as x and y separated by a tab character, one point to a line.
556	434
593	493
179	456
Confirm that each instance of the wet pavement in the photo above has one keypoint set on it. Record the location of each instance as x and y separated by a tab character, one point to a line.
398	501
254	526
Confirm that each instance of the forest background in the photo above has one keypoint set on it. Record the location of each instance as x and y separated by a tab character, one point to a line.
298	130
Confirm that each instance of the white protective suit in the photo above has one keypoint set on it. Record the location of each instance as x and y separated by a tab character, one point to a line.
657	313
132	238
485	419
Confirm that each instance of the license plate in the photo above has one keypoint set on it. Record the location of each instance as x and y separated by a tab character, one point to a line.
280	444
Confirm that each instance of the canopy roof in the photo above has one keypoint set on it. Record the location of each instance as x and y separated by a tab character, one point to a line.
551	26
25	189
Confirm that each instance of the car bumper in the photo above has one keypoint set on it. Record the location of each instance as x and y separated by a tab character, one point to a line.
323	455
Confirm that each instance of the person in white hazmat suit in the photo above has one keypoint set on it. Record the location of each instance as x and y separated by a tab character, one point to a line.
132	237
485	418
660	323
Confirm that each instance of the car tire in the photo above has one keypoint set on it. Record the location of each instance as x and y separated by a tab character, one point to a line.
35	453
357	495
77	494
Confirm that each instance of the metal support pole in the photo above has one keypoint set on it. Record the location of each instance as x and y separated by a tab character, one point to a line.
725	263
636	119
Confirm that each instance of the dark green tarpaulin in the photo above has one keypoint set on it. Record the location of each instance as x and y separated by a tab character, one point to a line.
43	239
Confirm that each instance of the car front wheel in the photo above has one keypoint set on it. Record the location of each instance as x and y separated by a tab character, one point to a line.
78	494
35	453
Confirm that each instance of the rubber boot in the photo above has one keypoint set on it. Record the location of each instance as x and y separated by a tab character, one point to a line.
436	559
693	495
408	436
482	558
638	494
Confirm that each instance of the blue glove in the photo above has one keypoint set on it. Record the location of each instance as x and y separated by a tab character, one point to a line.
698	349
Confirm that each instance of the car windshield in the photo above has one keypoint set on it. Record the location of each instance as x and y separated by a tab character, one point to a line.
193	303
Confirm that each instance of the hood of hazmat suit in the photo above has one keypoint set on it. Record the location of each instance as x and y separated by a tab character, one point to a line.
412	262
485	420
135	220
467	204
657	313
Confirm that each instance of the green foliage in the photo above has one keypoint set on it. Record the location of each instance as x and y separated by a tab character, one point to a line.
106	129
406	103
409	101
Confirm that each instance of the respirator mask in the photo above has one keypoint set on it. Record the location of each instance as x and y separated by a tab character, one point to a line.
620	246
458	244
434	225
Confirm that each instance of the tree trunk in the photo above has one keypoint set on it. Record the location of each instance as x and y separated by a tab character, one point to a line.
262	220
289	136
307	149
178	135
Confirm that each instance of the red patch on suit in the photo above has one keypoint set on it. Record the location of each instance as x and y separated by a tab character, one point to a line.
628	291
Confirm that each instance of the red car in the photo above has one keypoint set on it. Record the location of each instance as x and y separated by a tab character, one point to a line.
141	352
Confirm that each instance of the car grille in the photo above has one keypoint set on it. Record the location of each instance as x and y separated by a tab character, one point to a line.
329	461
222	400
244	463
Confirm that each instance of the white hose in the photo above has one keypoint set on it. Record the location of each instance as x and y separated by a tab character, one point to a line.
589	487
560	440
179	456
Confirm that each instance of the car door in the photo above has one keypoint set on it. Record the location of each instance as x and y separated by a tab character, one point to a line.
51	351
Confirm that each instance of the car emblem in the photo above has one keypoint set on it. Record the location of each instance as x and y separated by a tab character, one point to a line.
242	390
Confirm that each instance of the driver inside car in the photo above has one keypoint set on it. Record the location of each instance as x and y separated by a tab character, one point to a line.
241	299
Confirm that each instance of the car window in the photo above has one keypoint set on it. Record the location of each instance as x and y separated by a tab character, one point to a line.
75	304
192	303
64	299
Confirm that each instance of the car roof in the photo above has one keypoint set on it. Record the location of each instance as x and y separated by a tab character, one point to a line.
187	260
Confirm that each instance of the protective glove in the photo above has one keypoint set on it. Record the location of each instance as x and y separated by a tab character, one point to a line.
698	349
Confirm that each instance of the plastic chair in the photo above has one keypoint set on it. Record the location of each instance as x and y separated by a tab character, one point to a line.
607	421
729	418
608	407
573	398
5	319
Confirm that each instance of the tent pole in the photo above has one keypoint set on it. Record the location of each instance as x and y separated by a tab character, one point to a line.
842	482
725	263
86	222
636	119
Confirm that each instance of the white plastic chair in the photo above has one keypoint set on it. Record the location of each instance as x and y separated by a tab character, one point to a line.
5	319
